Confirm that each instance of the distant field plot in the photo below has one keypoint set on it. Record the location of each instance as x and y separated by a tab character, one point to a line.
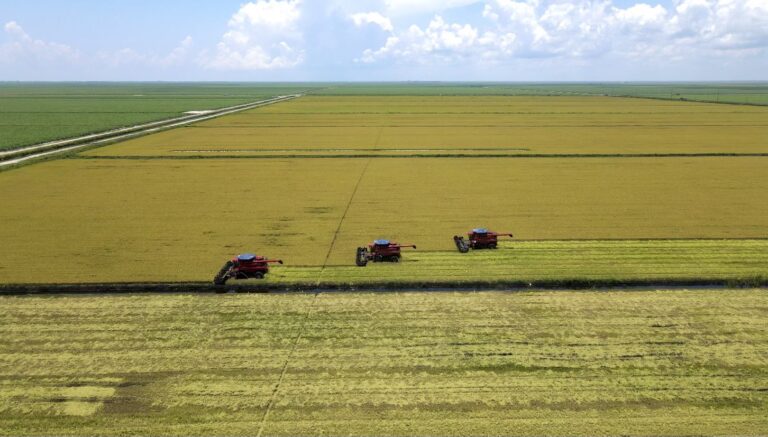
35	113
752	93
115	220
740	93
542	363
470	126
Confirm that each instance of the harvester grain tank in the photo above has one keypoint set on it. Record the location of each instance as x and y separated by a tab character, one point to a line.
380	251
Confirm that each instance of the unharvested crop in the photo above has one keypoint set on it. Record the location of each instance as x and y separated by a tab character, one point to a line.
468	126
104	220
134	211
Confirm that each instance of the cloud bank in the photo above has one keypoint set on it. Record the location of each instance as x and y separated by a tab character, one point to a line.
23	48
428	39
583	29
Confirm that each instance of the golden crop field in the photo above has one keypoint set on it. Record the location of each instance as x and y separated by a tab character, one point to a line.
339	126
129	220
537	363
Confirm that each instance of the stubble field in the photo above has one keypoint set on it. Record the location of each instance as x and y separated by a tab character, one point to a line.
539	363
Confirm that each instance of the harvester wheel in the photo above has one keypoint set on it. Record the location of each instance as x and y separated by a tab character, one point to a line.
223	275
395	259
462	245
258	275
362	257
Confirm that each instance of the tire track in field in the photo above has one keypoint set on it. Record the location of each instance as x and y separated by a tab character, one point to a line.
349	206
276	390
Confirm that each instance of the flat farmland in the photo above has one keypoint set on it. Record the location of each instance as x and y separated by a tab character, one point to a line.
36	113
752	93
434	126
536	363
598	191
129	220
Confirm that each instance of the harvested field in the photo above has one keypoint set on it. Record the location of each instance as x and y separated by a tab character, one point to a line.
576	363
103	220
339	126
556	262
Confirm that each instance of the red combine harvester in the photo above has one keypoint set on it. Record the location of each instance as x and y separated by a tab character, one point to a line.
380	251
244	266
480	238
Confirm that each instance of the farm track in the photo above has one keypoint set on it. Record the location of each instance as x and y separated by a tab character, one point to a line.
15	157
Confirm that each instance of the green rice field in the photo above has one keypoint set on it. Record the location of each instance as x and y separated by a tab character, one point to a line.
36	113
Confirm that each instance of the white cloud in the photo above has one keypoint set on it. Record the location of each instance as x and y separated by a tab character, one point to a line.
447	42
21	47
362	18
412	7
262	35
13	28
267	15
643	17
583	29
492	38
180	55
726	25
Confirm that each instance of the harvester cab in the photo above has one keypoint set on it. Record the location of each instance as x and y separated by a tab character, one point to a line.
479	238
244	266
380	251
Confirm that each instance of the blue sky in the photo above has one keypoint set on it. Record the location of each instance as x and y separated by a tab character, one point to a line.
360	40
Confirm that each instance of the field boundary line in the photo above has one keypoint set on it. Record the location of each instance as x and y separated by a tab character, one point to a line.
16	157
512	284
432	156
275	391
